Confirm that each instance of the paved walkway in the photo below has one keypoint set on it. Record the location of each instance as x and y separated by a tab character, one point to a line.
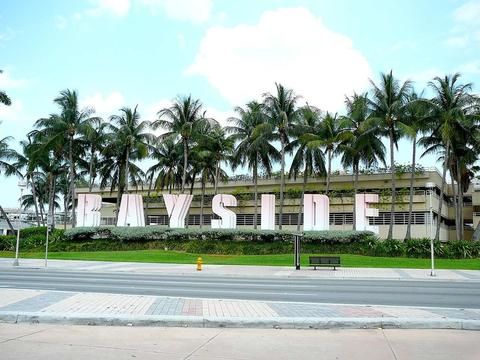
47	342
22	305
257	271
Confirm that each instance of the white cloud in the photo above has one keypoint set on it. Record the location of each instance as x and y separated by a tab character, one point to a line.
12	113
7	82
466	31
114	7
468	13
472	67
61	22
186	10
104	105
290	46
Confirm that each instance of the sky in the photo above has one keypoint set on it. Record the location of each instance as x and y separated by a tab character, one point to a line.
119	53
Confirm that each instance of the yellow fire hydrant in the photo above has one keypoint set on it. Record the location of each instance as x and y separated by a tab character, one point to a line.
199	264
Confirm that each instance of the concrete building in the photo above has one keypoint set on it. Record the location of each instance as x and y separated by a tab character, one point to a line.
425	203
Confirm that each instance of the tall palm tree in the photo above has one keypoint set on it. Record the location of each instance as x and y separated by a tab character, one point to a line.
182	119
307	155
450	105
360	142
63	128
4	98
282	114
387	103
220	147
253	148
330	130
94	137
128	142
416	118
7	155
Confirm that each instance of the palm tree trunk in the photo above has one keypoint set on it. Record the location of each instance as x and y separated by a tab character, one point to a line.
127	159
408	235
300	209
121	184
255	196
193	182
91	178
329	172
355	191
147	203
282	183
201	201
392	169
72	179
459	205
34	195
440	204
454	199
51	194
217	175
185	162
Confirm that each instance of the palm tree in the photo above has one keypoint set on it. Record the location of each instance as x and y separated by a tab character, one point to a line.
253	148
387	104
329	132
128	142
63	128
359	140
282	115
220	147
94	137
182	119
307	154
6	156
4	99
450	106
416	117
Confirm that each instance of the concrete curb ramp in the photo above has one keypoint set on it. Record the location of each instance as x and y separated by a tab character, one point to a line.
258	323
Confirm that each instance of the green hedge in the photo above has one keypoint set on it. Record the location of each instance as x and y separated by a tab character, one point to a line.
165	233
240	241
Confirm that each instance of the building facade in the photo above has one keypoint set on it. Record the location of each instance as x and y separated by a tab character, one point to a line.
424	217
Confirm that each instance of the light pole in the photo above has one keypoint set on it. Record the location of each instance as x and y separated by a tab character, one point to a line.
21	186
431	187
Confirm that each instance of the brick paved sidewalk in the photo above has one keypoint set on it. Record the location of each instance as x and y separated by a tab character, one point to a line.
36	305
256	271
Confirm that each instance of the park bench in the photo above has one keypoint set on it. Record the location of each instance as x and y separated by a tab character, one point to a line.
325	261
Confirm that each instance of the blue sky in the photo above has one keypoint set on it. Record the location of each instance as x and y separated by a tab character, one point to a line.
126	52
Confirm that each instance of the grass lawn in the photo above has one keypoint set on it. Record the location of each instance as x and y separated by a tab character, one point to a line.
162	256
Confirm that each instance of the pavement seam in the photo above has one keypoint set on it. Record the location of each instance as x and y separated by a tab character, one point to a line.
21	336
202	345
389	344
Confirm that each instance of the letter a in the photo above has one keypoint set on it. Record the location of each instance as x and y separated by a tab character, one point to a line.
177	208
131	211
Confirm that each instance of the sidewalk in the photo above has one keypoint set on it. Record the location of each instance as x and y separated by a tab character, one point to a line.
78	308
255	271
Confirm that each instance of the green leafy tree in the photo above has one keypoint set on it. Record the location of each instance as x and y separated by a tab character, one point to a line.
360	143
282	114
307	155
387	103
4	98
253	148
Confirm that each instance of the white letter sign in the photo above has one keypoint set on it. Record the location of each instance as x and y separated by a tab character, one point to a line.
362	212
228	219
316	212
268	212
88	210
131	211
177	208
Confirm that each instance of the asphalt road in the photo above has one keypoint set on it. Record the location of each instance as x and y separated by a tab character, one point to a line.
435	293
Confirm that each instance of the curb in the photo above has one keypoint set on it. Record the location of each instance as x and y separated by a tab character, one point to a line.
257	323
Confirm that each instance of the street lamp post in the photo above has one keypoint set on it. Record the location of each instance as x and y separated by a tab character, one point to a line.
21	185
431	186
